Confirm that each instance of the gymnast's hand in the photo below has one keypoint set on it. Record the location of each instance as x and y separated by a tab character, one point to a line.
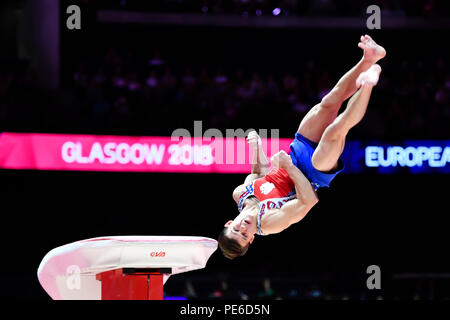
253	140
281	160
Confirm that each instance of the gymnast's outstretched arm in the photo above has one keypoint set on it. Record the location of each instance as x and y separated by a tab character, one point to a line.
260	164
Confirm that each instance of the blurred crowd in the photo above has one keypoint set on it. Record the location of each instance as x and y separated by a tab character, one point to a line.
324	287
422	8
120	93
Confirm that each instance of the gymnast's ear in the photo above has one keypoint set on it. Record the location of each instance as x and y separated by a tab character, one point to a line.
228	223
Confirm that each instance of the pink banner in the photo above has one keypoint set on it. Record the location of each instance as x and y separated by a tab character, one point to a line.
140	154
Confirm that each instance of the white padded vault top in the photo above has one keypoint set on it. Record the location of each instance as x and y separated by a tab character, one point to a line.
68	272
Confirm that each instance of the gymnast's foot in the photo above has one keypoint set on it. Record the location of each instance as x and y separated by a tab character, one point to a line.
372	51
370	77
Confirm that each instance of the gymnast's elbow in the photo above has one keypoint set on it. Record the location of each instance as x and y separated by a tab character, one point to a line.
313	200
300	210
309	200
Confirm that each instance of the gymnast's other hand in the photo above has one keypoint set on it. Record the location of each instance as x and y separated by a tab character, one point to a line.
281	160
253	140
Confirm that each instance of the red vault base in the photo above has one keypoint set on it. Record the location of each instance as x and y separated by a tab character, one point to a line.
132	284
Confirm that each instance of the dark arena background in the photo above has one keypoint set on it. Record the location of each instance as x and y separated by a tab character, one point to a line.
146	68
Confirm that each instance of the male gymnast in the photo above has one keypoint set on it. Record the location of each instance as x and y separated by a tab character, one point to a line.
271	201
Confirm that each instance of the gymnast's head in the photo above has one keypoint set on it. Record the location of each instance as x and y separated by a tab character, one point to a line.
237	235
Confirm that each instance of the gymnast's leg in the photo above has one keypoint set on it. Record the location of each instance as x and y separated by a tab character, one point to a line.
331	145
323	114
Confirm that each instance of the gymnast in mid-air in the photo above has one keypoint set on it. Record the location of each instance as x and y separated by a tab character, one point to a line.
269	201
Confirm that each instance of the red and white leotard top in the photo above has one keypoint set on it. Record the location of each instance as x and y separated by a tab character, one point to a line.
272	191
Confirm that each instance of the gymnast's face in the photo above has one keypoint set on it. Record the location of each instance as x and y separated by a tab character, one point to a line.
242	228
